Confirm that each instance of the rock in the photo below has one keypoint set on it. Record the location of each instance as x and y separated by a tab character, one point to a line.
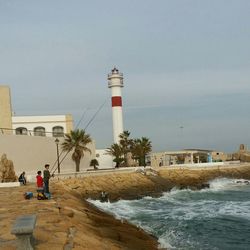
7	173
205	185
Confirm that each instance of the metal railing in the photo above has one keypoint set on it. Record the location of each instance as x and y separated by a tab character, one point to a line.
26	132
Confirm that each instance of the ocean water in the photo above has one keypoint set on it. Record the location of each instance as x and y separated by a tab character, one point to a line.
214	218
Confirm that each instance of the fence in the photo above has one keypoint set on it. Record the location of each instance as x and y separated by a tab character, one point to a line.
24	131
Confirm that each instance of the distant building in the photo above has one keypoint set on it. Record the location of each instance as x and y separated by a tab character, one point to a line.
243	154
186	156
220	156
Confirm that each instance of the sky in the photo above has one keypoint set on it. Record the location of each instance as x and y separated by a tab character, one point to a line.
186	66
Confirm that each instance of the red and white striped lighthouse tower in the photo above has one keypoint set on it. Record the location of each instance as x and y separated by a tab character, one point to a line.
115	82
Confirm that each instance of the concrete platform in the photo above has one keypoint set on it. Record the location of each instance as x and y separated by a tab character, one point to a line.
9	184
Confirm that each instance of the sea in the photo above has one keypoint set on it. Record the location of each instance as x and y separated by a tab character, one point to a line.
214	218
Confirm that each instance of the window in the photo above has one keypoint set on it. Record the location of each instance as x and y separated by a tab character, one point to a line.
39	131
58	131
21	131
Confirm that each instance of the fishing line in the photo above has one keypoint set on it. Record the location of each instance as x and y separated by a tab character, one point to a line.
83	115
90	121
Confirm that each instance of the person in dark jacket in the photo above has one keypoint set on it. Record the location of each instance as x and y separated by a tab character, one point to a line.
22	178
46	177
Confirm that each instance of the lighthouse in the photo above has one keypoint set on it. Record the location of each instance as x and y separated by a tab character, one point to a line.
115	82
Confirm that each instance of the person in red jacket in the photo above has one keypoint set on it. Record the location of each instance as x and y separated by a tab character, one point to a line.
39	179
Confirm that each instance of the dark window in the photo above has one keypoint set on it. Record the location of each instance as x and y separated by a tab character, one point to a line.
21	131
58	131
39	131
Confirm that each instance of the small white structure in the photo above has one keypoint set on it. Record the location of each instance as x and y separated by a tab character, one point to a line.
104	160
186	156
115	82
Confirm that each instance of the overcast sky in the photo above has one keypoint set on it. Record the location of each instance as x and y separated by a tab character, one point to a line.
186	66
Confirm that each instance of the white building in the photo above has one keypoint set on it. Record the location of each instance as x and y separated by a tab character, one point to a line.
49	125
104	160
29	141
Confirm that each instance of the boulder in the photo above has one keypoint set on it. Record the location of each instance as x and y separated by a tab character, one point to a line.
7	172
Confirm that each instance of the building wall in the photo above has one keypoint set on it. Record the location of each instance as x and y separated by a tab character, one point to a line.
69	123
30	153
161	159
48	122
104	160
219	156
5	109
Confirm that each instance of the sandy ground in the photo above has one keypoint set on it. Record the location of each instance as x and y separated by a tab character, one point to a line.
67	221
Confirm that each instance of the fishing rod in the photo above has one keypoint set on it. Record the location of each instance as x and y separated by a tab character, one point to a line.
54	164
90	121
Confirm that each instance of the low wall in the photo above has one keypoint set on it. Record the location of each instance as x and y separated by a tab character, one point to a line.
9	184
31	153
205	164
91	172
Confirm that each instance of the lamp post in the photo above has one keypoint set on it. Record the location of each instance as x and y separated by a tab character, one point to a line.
57	153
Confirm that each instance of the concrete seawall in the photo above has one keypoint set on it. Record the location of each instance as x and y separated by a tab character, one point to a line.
30	153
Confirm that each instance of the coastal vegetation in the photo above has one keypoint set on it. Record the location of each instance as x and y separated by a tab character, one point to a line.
94	163
77	141
130	152
126	144
116	151
140	148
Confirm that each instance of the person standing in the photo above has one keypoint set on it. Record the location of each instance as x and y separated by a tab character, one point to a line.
46	177
39	179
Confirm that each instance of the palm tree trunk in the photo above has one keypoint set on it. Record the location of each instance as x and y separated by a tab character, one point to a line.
77	165
126	160
142	161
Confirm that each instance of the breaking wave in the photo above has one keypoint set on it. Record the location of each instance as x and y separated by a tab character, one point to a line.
217	217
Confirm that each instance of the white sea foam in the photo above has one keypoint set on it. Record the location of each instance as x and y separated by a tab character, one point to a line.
226	183
173	239
236	209
168	239
178	208
120	209
187	204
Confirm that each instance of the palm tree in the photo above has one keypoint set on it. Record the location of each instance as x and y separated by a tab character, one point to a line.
116	151
140	148
94	163
77	141
125	143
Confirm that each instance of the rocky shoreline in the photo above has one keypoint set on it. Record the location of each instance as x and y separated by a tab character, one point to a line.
137	185
68	221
